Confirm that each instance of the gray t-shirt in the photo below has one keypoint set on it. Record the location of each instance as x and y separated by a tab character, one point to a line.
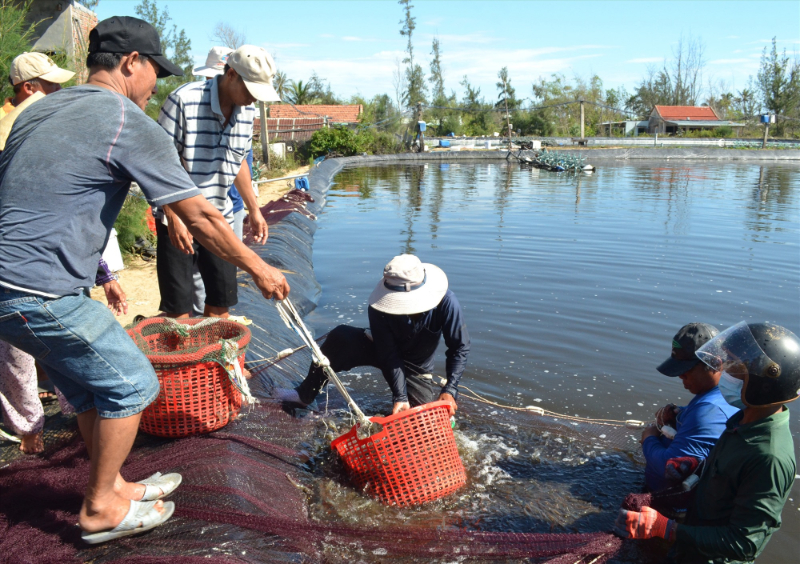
64	175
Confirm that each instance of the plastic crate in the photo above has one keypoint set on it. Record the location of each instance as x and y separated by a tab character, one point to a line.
412	460
196	394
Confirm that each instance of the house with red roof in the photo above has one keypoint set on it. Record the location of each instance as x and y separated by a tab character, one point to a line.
335	114
287	122
673	119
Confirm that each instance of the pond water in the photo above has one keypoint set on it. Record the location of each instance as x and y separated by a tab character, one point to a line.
572	287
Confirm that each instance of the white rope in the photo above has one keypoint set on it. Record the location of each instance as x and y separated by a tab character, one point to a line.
293	321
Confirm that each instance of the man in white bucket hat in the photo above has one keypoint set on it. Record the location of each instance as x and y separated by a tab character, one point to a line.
215	62
410	310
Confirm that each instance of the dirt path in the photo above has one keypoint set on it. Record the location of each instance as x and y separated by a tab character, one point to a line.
138	280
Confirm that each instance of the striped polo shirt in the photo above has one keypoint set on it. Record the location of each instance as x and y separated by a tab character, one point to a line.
211	151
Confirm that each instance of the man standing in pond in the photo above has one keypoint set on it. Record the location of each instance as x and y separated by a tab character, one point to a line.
750	472
64	175
211	124
699	424
410	310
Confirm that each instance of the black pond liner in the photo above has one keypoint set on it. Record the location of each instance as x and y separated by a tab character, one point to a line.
242	498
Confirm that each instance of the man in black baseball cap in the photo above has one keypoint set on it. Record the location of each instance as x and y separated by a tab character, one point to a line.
699	424
77	151
125	35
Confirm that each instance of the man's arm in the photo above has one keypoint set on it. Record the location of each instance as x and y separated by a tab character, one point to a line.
244	185
456	338
699	430
208	225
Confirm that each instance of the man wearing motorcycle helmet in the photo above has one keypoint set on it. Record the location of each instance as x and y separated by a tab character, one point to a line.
749	473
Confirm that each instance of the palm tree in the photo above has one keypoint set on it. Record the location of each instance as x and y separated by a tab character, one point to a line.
299	93
280	83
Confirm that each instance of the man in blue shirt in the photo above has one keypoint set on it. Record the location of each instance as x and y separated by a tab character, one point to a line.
700	423
410	310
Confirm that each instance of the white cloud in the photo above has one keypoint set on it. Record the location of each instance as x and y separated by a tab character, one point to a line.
351	38
729	61
646	60
372	74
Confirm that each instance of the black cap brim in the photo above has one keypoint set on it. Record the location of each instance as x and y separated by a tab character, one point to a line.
674	368
167	68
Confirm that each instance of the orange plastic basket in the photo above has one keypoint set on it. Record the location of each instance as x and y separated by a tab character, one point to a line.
196	393
412	460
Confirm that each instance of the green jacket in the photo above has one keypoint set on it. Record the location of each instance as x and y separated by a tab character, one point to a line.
744	486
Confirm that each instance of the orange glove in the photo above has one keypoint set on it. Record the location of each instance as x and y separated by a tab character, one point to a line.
646	524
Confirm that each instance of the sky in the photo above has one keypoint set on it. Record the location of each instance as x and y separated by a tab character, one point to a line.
356	45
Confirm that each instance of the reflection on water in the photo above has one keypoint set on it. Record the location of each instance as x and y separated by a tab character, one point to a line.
572	287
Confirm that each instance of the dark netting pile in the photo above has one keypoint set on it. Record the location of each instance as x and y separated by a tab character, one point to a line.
266	487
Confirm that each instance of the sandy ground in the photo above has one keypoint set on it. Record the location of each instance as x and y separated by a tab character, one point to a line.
138	280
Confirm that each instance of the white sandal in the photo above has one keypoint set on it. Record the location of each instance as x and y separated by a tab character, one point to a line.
159	485
142	516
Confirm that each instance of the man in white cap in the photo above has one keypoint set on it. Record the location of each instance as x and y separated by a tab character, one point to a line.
31	73
410	310
211	124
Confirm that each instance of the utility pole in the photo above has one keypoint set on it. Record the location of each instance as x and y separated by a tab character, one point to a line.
264	134
582	130
766	134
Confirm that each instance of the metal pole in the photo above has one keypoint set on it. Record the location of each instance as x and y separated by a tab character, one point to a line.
264	135
766	133
582	136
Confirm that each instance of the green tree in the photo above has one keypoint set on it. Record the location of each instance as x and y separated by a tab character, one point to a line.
175	45
299	93
437	74
677	83
507	93
15	38
415	76
479	120
321	92
778	82
281	83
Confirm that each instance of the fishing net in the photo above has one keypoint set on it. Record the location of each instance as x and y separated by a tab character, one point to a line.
268	488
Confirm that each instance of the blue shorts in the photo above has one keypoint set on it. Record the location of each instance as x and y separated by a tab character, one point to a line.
84	350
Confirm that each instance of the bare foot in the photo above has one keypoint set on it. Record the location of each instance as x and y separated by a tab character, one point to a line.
106	516
32	444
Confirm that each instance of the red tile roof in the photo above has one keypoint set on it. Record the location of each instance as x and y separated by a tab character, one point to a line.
336	114
704	113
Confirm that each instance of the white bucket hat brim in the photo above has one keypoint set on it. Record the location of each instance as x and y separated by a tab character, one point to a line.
206	71
418	300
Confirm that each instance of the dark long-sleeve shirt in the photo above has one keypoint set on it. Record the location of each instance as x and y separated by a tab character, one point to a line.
744	486
405	346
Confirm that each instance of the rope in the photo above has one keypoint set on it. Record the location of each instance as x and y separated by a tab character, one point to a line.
293	320
629	423
473	395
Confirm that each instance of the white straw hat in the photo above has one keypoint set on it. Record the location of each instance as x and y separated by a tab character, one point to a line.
28	66
215	62
409	286
256	68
